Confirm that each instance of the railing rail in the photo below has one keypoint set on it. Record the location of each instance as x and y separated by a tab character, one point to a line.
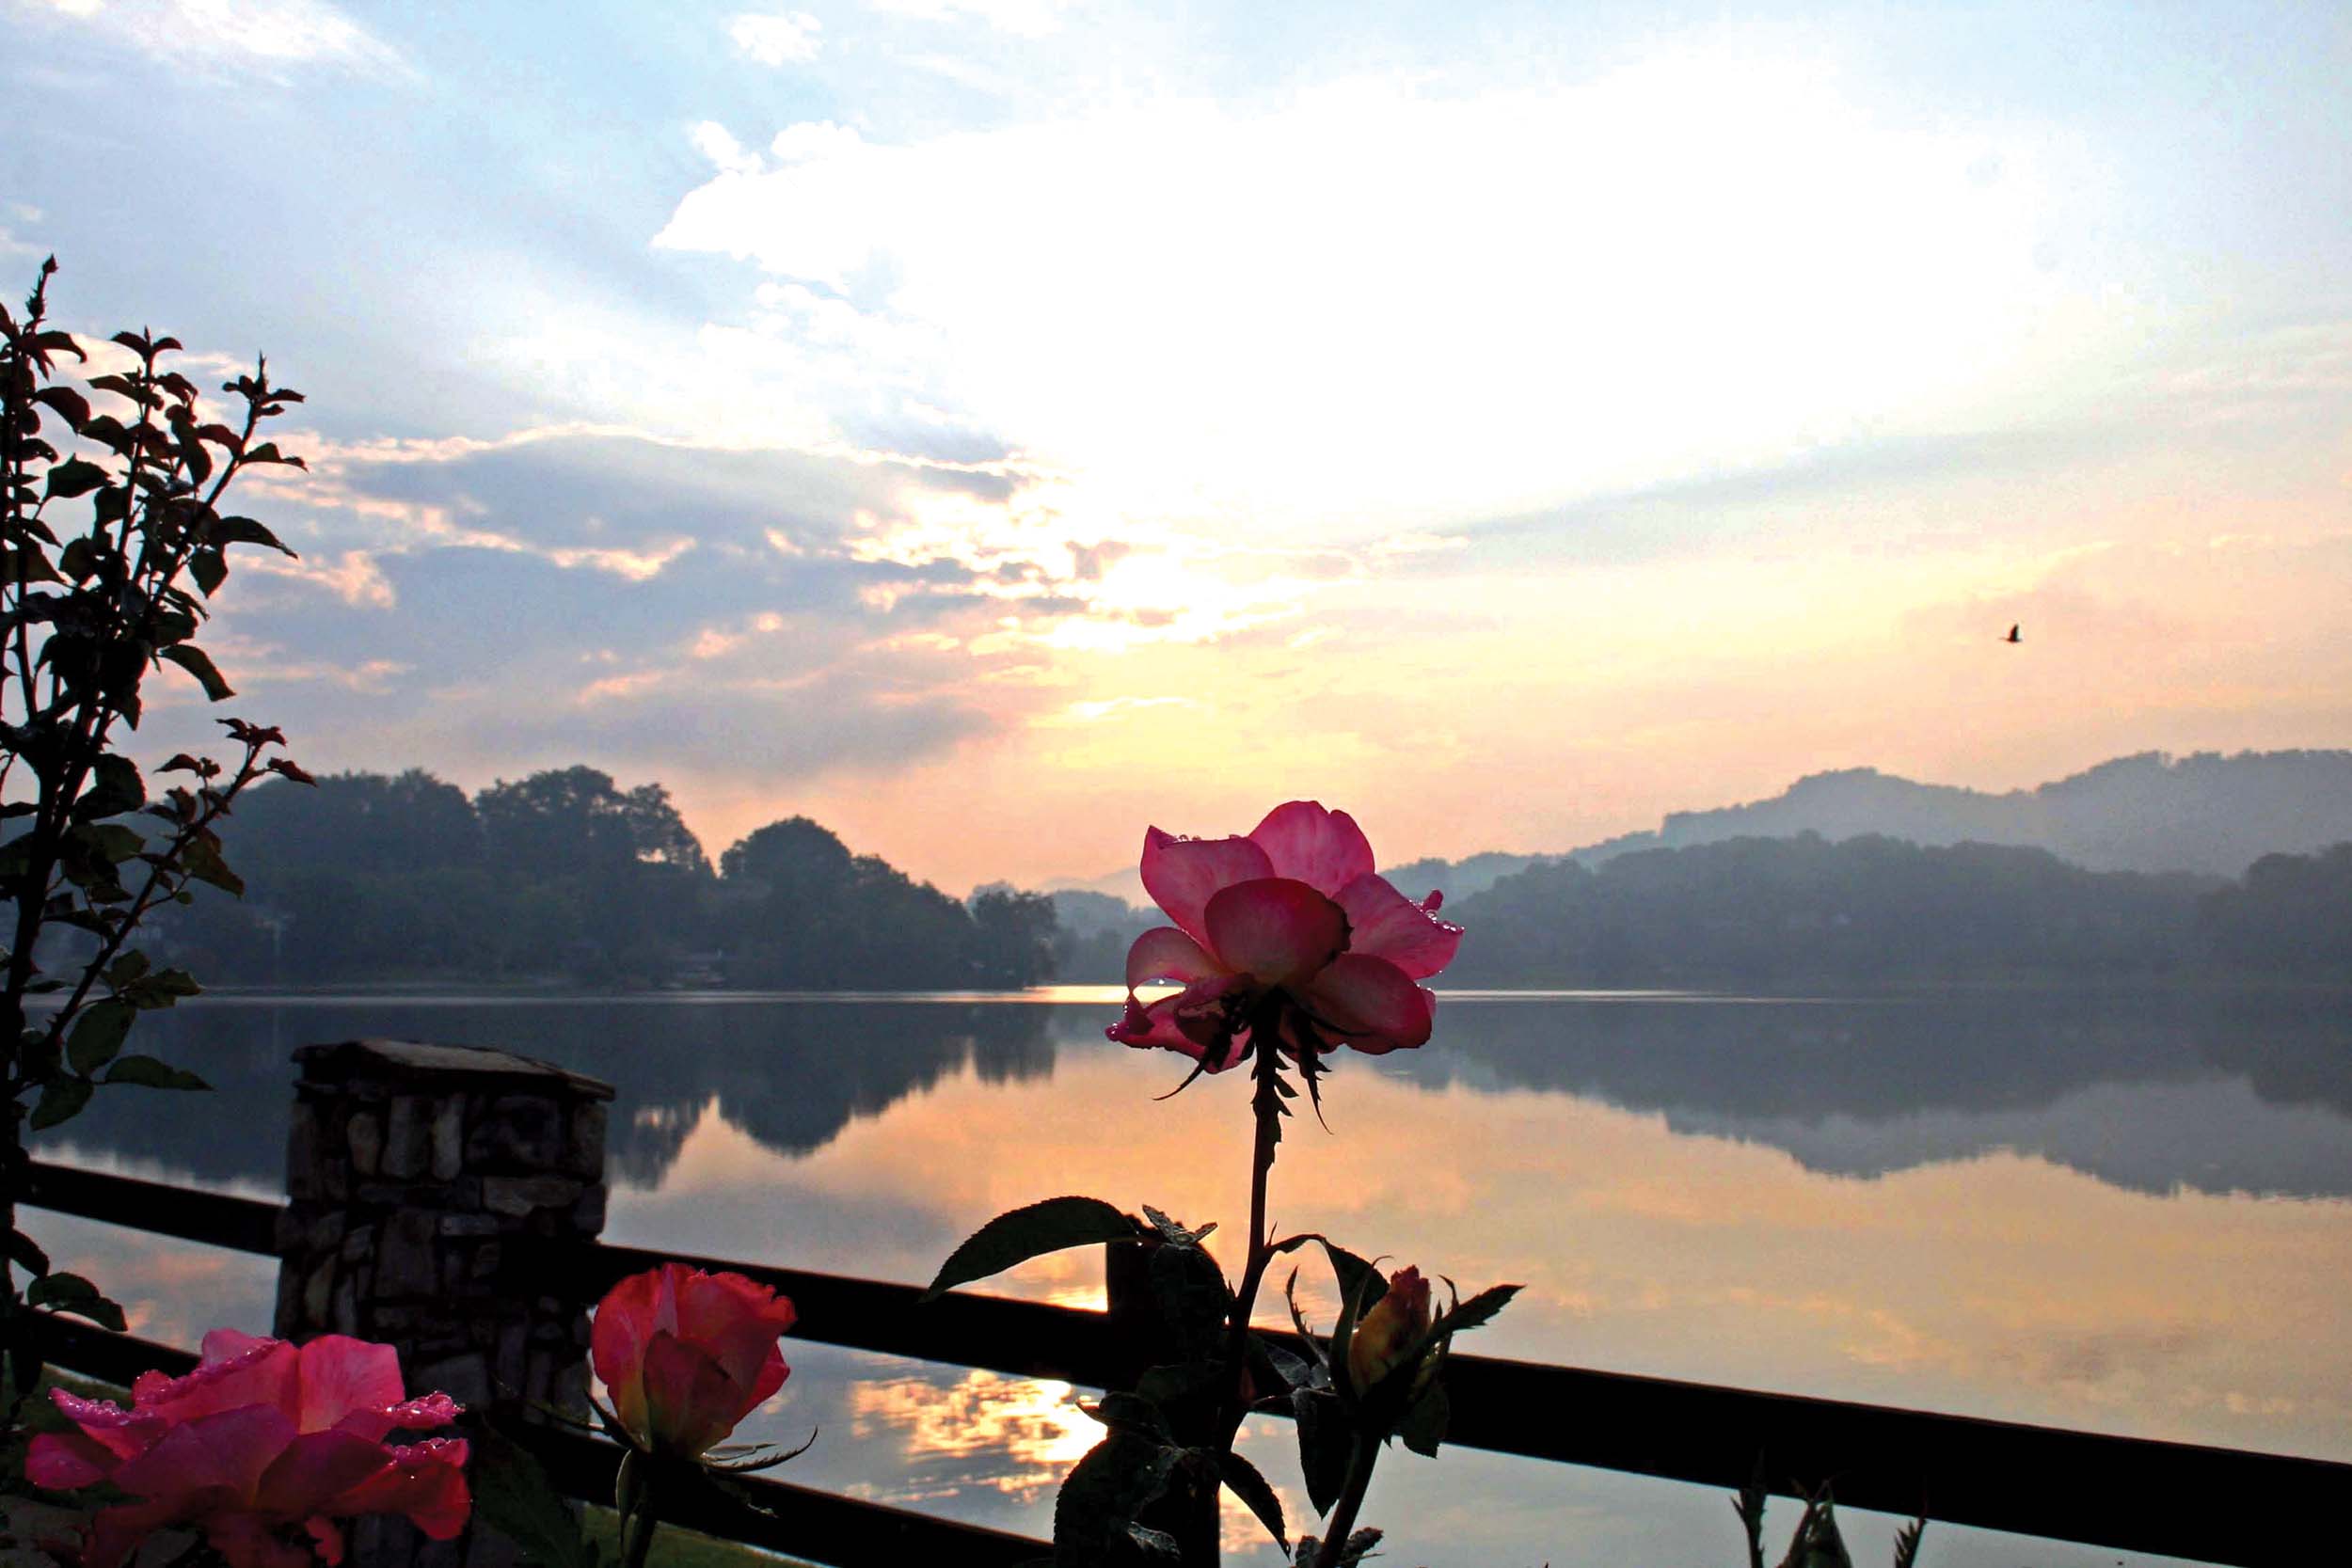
2216	1504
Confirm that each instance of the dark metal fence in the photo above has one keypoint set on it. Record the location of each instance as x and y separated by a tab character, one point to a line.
2216	1504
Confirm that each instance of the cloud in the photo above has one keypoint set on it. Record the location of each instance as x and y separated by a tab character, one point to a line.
786	37
1384	308
1030	18
257	37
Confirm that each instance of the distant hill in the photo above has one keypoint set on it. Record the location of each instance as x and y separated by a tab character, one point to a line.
2206	812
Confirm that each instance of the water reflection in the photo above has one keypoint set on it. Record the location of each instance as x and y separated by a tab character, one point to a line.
2118	1211
2222	1091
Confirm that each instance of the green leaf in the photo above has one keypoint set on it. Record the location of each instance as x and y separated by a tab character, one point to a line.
125	969
115	788
110	842
97	1035
1424	1427
202	860
70	1292
1131	1413
245	531
1021	1234
210	568
162	989
74	477
1241	1479
1326	1438
61	1099
200	664
1194	1300
1116	1480
1478	1311
513	1495
24	1253
146	1072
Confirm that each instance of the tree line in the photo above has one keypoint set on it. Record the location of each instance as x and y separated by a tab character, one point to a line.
1760	912
566	876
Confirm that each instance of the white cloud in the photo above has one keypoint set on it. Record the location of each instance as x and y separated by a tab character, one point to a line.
1030	18
784	38
259	36
1389	309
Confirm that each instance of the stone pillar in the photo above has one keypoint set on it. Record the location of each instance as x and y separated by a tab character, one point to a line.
411	1169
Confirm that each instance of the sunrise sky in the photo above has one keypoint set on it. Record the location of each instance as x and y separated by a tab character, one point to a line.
988	425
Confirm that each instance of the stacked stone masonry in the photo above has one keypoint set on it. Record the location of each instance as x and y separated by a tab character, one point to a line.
412	1173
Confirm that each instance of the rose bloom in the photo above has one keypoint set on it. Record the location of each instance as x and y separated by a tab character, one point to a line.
262	1448
686	1356
1386	1334
1292	915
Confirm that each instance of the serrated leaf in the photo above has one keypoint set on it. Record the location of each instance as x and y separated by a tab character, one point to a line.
196	662
1131	1413
1195	1302
1478	1311
1109	1485
146	1072
1424	1427
1326	1439
97	1035
70	1292
61	1100
1241	1479
1021	1234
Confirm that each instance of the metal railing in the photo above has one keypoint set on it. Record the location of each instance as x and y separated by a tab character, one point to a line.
2216	1504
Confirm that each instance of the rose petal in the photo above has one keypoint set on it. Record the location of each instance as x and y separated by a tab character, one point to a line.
730	1319
238	1371
771	1378
424	1481
617	1343
1322	848
1165	953
343	1377
61	1461
1182	874
314	1468
1275	929
691	1402
119	1432
1384	923
227	1450
1370	1002
1158	1025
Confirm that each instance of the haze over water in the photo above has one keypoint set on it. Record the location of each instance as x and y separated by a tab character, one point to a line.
2122	1210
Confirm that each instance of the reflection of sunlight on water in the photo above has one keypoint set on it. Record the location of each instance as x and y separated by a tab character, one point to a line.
1020	1434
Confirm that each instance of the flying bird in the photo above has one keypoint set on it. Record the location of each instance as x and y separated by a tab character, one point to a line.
2013	636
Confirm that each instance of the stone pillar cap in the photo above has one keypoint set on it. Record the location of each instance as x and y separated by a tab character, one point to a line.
472	1067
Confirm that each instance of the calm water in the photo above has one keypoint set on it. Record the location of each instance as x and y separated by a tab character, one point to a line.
2127	1212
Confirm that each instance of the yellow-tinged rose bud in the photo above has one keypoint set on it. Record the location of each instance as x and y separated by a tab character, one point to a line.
1390	1331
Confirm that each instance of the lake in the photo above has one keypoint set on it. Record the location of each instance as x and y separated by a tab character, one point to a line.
2124	1211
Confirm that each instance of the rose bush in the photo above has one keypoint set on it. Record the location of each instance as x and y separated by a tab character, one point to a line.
1289	928
262	1448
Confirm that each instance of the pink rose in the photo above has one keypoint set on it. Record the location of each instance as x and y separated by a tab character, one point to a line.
1293	914
262	1448
686	1356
